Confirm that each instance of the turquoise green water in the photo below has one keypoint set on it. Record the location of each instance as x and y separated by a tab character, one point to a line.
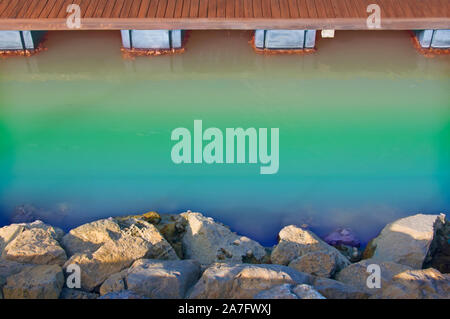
364	131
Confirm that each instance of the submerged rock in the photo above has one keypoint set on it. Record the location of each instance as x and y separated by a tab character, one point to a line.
342	236
288	291
294	242
417	284
208	241
356	274
157	279
39	282
105	247
240	281
406	241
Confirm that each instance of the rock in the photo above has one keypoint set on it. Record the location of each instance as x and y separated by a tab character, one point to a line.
307	292
25	214
36	246
333	289
288	291
356	274
124	294
439	257
351	253
317	263
157	279
172	227
150	217
114	283
406	241
39	282
89	237
8	268
28	213
342	236
207	242
417	284
295	242
242	281
277	292
68	293
108	246
7	234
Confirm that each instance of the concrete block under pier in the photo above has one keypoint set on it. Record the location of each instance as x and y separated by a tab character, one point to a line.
437	39
20	40
152	39
285	39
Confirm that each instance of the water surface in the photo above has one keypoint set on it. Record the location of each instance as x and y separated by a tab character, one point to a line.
364	131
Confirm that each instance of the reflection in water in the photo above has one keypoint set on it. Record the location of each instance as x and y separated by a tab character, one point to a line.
364	131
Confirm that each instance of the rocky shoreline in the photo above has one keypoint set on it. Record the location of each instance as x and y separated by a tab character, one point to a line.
192	256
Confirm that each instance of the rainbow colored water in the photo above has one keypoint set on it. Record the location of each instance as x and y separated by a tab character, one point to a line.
364	131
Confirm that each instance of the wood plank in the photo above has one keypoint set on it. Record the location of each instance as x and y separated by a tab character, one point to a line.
248	8
221	8
125	12
63	11
12	9
193	12
351	8
47	9
293	9
212	8
151	13
266	10
284	9
321	10
229	11
91	9
243	14
161	10
186	8
312	12
276	9
143	10
134	11
4	4
303	9
238	8
203	9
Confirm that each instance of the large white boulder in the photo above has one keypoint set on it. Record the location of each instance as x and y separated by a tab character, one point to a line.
417	284
356	274
162	279
39	282
406	241
208	241
240	281
306	252
288	291
108	246
36	243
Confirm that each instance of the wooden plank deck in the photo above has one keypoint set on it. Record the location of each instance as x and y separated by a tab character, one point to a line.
224	14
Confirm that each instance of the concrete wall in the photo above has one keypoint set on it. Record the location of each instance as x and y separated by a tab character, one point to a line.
285	39
152	39
20	40
439	39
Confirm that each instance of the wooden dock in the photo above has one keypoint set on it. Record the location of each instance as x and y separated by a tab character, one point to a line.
224	14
